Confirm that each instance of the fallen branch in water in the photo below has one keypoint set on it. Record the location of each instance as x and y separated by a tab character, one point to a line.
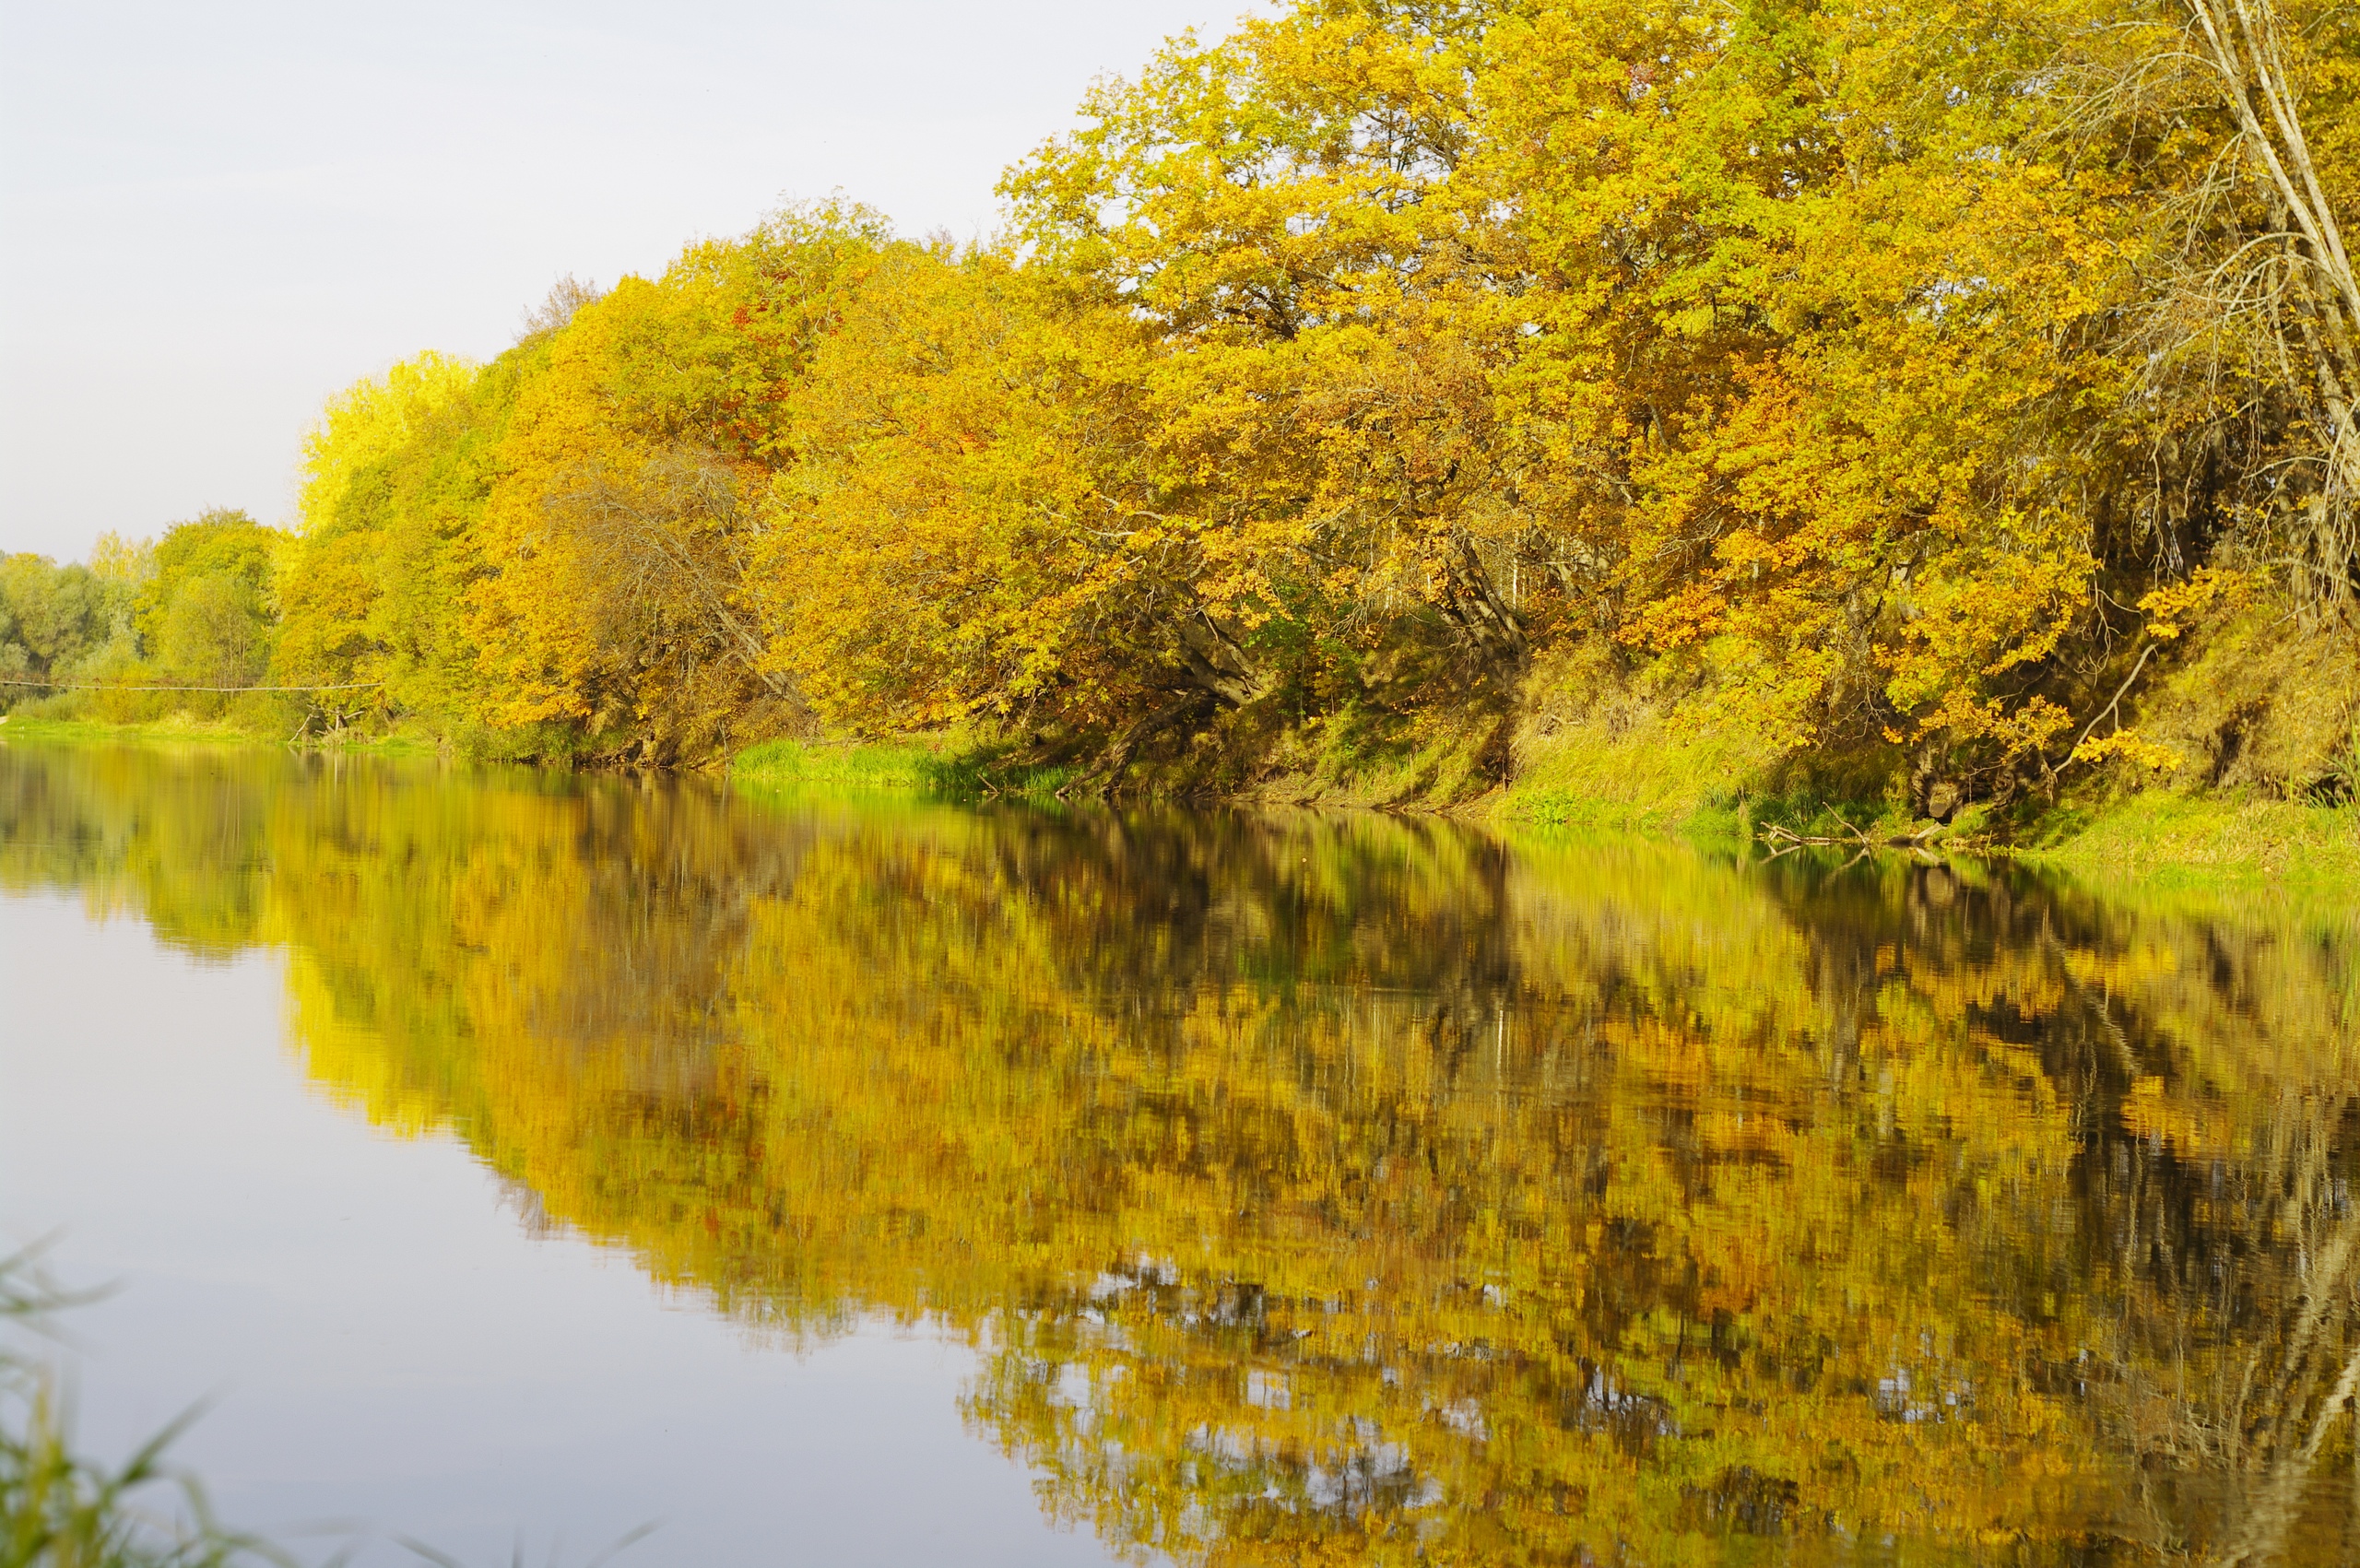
1851	838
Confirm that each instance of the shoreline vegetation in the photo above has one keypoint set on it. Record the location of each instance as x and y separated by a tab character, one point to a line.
1771	421
2151	836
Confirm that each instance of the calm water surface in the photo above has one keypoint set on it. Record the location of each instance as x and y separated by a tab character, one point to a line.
518	1157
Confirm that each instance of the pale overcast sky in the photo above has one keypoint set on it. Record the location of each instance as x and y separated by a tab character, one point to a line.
212	216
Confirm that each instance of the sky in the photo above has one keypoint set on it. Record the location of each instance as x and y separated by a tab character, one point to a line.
212	216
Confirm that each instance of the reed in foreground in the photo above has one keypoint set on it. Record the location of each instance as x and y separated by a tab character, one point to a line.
63	1509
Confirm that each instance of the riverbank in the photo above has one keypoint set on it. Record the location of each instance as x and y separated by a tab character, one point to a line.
954	765
1692	789
2162	835
1643	780
181	729
177	731
1713	785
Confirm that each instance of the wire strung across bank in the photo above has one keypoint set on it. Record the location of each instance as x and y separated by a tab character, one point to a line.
72	685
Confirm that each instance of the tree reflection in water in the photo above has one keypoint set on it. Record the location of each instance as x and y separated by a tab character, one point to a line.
1350	1189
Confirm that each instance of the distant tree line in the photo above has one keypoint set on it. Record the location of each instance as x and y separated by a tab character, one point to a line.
195	611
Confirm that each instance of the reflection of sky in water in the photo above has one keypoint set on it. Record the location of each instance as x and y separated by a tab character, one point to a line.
384	1341
1343	1182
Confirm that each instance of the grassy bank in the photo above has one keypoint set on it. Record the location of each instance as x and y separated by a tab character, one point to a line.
1704	786
1610	770
1632	771
180	731
183	730
1643	780
2163	834
1595	749
955	766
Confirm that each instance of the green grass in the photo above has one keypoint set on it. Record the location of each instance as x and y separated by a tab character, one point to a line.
950	770
1647	779
176	731
1652	776
2158	836
183	730
787	764
60	1508
2170	836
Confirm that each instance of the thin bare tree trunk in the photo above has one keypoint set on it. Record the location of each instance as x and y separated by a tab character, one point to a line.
2241	39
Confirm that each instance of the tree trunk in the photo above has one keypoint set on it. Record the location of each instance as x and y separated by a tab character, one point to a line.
1217	663
1190	707
1489	627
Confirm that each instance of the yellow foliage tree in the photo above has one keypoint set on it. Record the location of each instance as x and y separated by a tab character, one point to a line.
614	599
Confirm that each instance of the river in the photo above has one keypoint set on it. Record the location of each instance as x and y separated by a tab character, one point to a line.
516	1159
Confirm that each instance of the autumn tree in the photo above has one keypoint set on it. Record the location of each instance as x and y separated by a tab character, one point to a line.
614	600
1330	298
395	477
970	529
206	614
